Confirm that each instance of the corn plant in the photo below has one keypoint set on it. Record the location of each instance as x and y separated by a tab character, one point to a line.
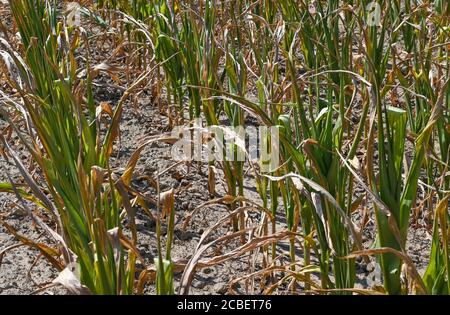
85	196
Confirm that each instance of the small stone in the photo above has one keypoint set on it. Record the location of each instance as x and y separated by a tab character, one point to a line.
207	271
220	288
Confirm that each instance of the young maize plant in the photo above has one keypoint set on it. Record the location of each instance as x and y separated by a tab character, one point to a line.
86	198
397	193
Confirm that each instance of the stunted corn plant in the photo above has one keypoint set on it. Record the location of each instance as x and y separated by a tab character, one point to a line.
80	191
